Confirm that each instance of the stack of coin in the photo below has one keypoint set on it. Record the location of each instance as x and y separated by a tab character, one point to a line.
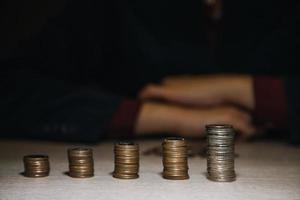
220	153
36	165
126	160
175	156
81	163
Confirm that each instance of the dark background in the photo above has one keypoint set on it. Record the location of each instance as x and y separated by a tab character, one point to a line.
122	45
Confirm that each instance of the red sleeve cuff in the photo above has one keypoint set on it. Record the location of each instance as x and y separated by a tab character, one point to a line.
270	101
123	121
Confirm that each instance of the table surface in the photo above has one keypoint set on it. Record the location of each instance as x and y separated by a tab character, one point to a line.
265	170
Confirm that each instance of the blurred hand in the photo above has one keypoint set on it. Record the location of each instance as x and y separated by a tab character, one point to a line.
202	90
190	122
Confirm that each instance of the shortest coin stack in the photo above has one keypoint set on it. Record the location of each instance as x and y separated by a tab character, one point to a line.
220	153
81	163
126	160
175	159
36	165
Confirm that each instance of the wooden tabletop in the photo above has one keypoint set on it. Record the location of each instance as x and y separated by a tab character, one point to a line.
265	170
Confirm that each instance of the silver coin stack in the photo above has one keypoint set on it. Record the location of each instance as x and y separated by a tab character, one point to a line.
220	153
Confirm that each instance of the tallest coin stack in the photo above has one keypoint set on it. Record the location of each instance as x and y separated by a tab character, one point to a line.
220	153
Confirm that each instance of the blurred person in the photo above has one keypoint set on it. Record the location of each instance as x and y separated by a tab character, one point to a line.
62	60
41	108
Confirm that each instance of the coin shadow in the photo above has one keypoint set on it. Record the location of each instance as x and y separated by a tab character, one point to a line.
66	173
22	173
204	174
160	174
